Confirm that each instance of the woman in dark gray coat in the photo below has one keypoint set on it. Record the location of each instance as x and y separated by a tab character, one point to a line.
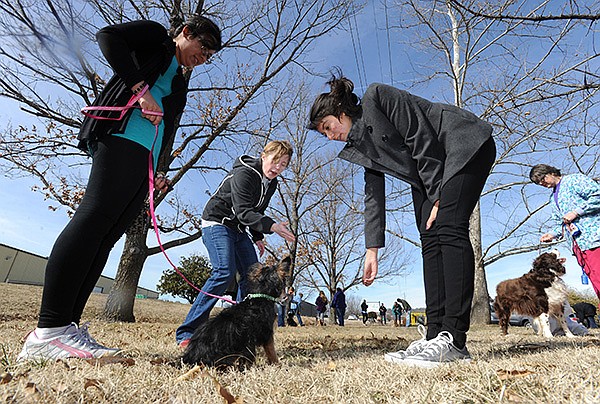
445	154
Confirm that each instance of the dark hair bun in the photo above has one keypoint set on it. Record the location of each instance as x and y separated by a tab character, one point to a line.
339	100
342	88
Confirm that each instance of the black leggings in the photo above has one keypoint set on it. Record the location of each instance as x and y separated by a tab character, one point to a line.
448	262
115	194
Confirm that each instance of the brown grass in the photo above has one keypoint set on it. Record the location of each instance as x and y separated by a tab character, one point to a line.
318	365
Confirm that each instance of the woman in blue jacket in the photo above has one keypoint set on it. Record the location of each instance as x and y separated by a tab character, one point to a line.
576	208
148	61
445	154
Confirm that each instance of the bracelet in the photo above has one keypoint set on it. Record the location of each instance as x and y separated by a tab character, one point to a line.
139	88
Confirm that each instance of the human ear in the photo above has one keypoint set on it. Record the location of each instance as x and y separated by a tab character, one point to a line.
186	32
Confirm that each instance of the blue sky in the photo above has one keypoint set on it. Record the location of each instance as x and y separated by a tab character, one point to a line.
27	223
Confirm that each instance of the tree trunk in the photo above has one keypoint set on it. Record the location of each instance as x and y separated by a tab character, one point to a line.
119	305
480	308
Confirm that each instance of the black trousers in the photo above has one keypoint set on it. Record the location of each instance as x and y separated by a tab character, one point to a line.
448	263
115	193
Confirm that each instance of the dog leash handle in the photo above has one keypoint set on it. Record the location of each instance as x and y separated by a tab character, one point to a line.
122	110
87	111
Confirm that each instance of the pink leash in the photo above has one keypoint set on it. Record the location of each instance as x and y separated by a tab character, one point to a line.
122	111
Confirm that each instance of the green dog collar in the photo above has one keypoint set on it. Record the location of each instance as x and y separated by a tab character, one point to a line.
257	295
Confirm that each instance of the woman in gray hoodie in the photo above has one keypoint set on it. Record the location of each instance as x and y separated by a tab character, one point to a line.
238	205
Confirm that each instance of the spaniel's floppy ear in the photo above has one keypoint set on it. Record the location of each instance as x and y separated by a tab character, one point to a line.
541	268
557	254
544	260
545	277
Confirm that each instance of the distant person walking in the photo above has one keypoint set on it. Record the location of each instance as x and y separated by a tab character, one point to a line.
382	313
297	300
339	304
576	208
364	310
321	304
397	312
283	308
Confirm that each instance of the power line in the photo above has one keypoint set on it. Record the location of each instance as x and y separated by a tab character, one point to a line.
362	56
377	40
360	79
387	30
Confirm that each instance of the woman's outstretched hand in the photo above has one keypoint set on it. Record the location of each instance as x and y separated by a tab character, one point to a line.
283	231
260	244
371	266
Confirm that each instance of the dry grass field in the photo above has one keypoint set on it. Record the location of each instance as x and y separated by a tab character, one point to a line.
318	365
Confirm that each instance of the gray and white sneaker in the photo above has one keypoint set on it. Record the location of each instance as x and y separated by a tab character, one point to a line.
414	348
437	351
90	341
75	342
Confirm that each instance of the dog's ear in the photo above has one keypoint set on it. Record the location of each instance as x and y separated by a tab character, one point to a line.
255	272
544	260
285	265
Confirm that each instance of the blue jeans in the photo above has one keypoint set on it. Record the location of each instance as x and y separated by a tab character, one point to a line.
298	317
339	313
280	315
230	252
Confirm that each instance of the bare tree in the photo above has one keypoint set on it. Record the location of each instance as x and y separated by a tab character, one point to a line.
331	237
536	85
297	194
52	69
536	15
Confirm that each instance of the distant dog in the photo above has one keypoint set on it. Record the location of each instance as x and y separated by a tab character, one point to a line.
230	338
540	293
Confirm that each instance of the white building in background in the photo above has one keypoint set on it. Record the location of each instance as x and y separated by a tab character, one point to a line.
18	266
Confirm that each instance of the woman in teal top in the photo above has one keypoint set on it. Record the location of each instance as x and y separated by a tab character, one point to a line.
148	61
138	127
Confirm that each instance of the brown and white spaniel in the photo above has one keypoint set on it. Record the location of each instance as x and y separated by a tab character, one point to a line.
540	293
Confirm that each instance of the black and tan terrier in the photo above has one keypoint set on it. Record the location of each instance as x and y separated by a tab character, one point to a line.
230	338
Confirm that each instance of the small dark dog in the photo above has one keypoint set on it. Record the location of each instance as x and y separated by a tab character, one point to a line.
230	338
540	293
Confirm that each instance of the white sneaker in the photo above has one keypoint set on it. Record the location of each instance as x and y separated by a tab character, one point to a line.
437	351
85	335
75	342
414	348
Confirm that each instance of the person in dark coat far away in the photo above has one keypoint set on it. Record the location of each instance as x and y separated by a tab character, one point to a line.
339	304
